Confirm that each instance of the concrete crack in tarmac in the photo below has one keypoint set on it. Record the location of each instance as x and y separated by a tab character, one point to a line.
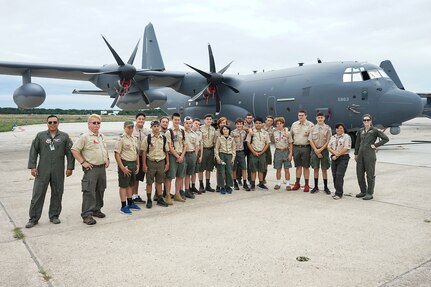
399	277
32	255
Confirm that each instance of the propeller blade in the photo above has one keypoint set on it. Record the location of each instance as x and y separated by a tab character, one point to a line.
132	57
115	100
230	87
198	94
144	96
218	103
212	62
117	58
206	75
225	68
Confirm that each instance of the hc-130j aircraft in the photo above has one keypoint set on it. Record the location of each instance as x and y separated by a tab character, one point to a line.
344	91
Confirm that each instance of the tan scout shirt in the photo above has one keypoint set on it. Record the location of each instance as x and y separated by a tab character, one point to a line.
339	143
127	147
239	137
155	152
320	135
92	148
270	131
140	135
208	136
248	126
192	140
225	145
260	139
282	141
179	141
300	132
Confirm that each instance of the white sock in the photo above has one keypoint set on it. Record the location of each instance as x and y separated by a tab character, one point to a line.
278	182
287	182
135	196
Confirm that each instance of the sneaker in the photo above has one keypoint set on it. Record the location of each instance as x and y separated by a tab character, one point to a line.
125	210
262	186
229	190
336	197
139	200
252	187
189	194
99	214
246	187
359	195
89	220
149	204
178	198
276	187
327	191
368	197
288	187
134	206
296	186
31	224
314	190
161	202
306	188
235	185
222	190
55	220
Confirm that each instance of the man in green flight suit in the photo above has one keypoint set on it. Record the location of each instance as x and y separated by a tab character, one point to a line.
51	146
365	156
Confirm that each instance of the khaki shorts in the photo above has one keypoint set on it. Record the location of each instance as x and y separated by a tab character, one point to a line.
301	156
127	181
155	171
323	162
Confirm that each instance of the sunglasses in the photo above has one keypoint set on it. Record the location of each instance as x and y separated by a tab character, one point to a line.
52	123
96	123
366	120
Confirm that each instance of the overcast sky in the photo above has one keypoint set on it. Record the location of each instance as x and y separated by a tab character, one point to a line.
256	35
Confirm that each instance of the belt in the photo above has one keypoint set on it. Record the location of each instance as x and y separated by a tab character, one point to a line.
156	161
240	151
98	165
209	147
300	145
190	151
281	149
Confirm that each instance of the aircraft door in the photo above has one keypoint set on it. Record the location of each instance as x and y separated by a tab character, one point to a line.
271	106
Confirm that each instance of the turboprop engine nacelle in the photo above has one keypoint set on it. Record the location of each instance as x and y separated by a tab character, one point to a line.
29	95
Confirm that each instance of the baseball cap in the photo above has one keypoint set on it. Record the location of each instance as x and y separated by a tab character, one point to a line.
155	123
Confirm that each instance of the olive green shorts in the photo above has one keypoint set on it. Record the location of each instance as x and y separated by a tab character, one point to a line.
155	171
127	181
176	169
320	162
258	163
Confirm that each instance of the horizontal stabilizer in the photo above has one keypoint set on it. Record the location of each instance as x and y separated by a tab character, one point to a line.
151	56
90	92
390	70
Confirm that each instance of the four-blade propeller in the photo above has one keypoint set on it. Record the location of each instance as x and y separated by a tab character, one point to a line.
126	72
214	80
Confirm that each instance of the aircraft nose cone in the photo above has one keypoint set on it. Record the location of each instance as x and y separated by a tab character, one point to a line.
403	105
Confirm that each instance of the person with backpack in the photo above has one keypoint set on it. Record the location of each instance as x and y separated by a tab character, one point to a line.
225	152
156	162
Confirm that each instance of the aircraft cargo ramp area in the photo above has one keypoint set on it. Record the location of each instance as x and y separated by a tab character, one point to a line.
244	239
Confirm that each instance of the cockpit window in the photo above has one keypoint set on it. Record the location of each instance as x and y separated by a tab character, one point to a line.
358	74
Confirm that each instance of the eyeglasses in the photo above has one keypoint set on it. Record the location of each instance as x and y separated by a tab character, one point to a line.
96	123
366	120
52	123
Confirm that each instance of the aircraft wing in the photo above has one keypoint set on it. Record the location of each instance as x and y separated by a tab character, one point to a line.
48	71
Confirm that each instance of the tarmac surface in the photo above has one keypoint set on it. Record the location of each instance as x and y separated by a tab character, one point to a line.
243	239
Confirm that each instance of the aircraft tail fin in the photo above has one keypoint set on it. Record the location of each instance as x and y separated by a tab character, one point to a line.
151	56
390	70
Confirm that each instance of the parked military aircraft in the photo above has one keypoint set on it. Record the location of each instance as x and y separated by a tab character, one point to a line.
342	90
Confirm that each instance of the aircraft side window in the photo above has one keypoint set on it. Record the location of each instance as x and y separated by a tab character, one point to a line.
365	75
356	77
347	77
374	74
383	73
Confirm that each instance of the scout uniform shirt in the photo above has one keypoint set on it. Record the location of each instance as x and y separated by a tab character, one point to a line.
320	135
92	148
260	139
155	151
140	135
282	141
270	131
247	126
300	132
192	140
225	145
127	147
178	140
341	142
208	136
239	138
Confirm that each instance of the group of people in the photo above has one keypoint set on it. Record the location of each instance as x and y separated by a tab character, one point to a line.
162	154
